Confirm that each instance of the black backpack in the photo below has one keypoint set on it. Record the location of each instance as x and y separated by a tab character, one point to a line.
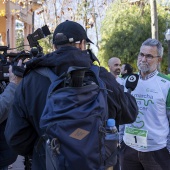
74	119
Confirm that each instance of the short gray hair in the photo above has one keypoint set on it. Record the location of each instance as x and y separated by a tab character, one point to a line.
154	42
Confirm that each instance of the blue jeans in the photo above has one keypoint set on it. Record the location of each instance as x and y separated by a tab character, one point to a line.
4	168
131	159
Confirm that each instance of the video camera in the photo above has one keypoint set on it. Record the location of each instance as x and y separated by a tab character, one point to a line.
7	59
37	35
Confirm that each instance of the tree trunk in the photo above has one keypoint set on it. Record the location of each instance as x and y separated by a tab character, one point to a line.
154	19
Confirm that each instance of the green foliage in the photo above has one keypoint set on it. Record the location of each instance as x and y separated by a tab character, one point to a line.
46	44
20	40
123	30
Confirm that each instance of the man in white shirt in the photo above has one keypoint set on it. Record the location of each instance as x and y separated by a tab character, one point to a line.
144	145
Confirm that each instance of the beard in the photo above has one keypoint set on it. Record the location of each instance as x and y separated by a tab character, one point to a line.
143	67
146	68
117	71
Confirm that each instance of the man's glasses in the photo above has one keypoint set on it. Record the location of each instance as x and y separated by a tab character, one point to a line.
147	56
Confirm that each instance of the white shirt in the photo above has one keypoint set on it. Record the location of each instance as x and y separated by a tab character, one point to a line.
153	100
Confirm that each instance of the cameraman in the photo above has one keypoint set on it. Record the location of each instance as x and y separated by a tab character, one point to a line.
22	131
6	100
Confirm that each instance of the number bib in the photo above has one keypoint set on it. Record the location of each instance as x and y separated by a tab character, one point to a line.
136	137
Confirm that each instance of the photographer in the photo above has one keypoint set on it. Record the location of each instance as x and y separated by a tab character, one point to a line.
31	93
6	100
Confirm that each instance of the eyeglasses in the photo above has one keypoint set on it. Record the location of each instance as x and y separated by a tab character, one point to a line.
147	56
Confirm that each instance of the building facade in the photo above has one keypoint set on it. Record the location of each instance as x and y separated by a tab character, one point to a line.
12	11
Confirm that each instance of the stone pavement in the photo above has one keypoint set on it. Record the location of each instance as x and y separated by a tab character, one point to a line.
18	164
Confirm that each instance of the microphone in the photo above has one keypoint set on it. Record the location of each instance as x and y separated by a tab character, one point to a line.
132	82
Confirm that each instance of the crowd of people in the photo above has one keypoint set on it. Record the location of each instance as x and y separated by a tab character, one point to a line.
144	139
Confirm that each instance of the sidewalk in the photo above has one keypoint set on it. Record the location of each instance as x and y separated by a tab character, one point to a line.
18	164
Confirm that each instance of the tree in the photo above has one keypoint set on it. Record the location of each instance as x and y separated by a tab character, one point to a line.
19	40
89	13
154	19
46	44
125	27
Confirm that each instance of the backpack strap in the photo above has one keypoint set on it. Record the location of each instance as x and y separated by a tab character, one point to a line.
95	69
47	72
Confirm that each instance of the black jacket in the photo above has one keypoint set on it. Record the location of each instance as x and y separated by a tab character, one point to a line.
7	156
23	122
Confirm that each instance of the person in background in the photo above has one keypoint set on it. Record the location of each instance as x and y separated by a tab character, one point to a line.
145	143
126	70
7	156
114	64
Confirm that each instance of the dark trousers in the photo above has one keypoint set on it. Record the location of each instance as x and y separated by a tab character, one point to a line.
117	166
130	159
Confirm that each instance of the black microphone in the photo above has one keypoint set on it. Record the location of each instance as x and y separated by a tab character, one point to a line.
132	82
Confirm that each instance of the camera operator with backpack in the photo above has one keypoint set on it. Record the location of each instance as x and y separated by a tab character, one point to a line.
6	99
70	40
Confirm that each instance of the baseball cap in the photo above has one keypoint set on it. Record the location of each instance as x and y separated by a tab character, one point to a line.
72	31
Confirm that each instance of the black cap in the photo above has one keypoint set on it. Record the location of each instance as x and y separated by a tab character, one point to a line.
72	31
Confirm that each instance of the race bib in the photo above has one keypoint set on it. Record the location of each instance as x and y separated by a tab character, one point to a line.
136	137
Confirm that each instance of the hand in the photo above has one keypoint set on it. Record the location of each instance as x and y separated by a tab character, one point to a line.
13	78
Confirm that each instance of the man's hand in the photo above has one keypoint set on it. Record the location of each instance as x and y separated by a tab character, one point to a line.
13	78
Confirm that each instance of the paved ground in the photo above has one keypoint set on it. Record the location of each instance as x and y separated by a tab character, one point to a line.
19	164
